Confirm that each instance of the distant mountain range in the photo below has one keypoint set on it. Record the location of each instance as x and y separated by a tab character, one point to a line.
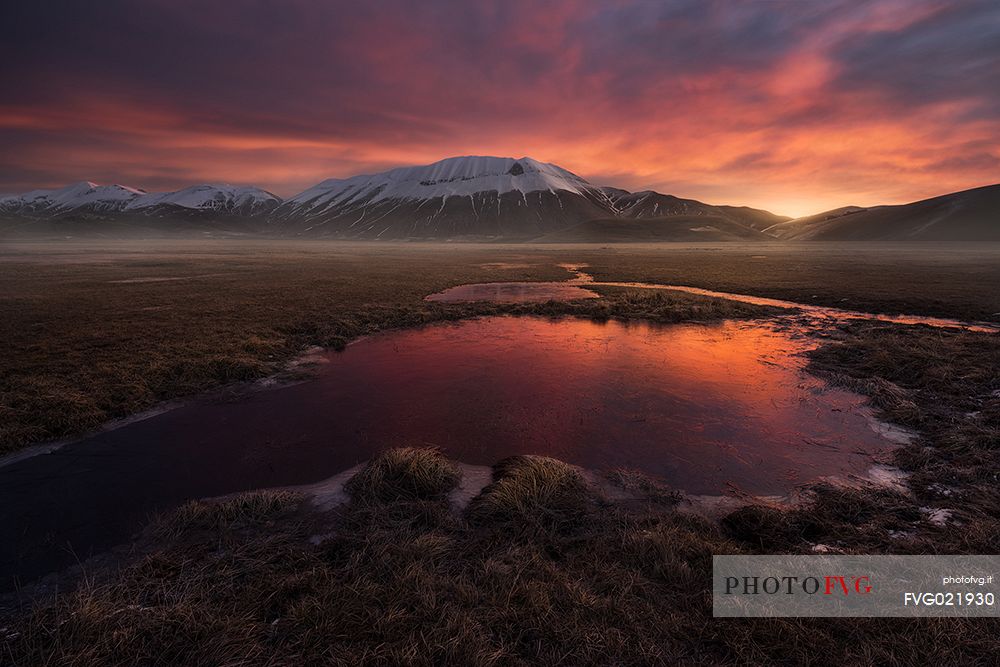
90	209
476	198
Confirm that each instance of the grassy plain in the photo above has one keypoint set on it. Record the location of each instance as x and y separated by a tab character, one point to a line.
95	331
540	567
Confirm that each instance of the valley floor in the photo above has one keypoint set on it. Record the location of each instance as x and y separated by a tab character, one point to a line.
540	567
99	330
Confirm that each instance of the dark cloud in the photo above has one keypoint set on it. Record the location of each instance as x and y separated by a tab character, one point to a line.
951	55
286	92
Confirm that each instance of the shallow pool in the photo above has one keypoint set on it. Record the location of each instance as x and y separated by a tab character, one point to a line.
709	408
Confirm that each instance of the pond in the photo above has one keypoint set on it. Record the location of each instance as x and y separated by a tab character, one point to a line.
708	408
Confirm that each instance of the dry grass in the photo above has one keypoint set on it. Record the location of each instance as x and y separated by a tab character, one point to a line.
944	280
404	473
410	581
228	513
540	569
644	486
533	491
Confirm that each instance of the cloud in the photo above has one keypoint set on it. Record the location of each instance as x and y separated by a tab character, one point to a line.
781	104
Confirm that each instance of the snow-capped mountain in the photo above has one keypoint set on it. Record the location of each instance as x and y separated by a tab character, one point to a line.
84	196
221	198
92	201
462	196
648	204
471	197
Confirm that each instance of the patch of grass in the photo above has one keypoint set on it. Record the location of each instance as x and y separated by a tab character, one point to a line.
534	491
405	473
645	486
918	376
412	582
848	519
228	513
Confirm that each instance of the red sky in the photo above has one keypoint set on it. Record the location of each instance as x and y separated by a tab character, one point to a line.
794	106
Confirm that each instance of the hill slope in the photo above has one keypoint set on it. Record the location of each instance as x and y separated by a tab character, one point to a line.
970	215
649	204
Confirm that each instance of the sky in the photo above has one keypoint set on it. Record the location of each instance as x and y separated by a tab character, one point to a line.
796	106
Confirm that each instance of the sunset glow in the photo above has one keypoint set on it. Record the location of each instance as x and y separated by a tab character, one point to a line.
792	106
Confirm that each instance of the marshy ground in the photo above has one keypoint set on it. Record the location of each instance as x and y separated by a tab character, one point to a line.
539	567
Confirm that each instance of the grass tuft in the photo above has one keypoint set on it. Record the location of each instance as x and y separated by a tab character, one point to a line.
405	473
645	486
534	491
227	513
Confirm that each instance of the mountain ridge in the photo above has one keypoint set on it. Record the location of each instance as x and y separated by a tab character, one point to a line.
480	197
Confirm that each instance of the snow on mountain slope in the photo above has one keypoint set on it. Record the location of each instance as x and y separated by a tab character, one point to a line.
461	196
457	176
84	195
648	204
471	197
86	201
221	197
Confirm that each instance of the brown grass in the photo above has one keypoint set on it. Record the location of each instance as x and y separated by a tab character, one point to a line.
228	513
644	486
540	569
533	491
410	581
405	473
939	279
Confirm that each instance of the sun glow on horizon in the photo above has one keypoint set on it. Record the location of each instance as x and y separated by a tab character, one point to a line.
789	107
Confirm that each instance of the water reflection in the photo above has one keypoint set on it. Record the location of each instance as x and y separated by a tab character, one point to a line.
705	407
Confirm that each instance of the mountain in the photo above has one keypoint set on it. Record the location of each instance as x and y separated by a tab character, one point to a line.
84	197
970	215
472	197
478	197
487	197
89	208
216	199
649	204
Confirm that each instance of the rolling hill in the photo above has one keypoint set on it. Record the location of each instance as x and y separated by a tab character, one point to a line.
970	215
